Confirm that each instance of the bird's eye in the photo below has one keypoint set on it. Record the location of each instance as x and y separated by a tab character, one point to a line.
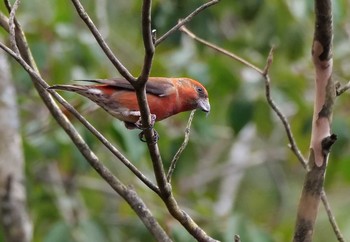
200	90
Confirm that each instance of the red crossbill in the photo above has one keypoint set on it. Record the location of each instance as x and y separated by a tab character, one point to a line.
166	97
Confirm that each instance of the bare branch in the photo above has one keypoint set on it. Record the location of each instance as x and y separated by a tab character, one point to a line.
4	22
321	137
221	50
293	144
147	42
20	39
140	85
12	25
264	74
341	89
186	20
118	65
164	186
182	147
331	217
92	129
128	194
29	59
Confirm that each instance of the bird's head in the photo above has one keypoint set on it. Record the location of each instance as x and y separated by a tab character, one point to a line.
194	94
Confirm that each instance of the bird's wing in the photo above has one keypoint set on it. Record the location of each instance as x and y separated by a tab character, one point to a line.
157	86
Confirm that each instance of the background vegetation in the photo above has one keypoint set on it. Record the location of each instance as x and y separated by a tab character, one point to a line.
237	176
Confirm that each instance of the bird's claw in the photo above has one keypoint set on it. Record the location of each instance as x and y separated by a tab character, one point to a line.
155	137
138	124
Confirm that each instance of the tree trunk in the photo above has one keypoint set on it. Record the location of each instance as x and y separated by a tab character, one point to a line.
14	218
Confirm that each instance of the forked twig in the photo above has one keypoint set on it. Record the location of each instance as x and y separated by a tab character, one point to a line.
293	144
185	20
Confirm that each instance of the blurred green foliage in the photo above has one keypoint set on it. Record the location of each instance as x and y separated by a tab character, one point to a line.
263	200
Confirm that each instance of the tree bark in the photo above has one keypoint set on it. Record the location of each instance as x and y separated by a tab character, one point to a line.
321	137
14	218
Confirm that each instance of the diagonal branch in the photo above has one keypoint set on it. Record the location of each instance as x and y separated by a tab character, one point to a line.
128	194
186	20
39	81
220	50
118	65
331	217
23	46
12	25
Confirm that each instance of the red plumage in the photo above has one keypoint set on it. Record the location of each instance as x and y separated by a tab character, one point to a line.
166	97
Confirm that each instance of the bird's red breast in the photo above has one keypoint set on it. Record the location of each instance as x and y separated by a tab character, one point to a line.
166	97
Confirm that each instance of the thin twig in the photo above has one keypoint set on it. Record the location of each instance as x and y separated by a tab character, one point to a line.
4	21
221	50
341	89
264	73
186	20
292	143
331	217
182	147
118	65
148	43
12	25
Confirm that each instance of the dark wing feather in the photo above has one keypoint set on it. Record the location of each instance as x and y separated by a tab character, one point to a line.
156	86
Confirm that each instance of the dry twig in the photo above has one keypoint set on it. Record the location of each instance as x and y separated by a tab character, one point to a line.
182	147
186	20
293	144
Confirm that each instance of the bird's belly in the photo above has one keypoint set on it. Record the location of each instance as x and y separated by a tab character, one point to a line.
125	115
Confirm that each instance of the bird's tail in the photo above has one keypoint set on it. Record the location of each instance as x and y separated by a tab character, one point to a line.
70	88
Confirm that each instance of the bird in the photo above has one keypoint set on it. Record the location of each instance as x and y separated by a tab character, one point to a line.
166	97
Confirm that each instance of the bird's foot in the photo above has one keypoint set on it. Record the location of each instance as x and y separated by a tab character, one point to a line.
138	124
155	137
